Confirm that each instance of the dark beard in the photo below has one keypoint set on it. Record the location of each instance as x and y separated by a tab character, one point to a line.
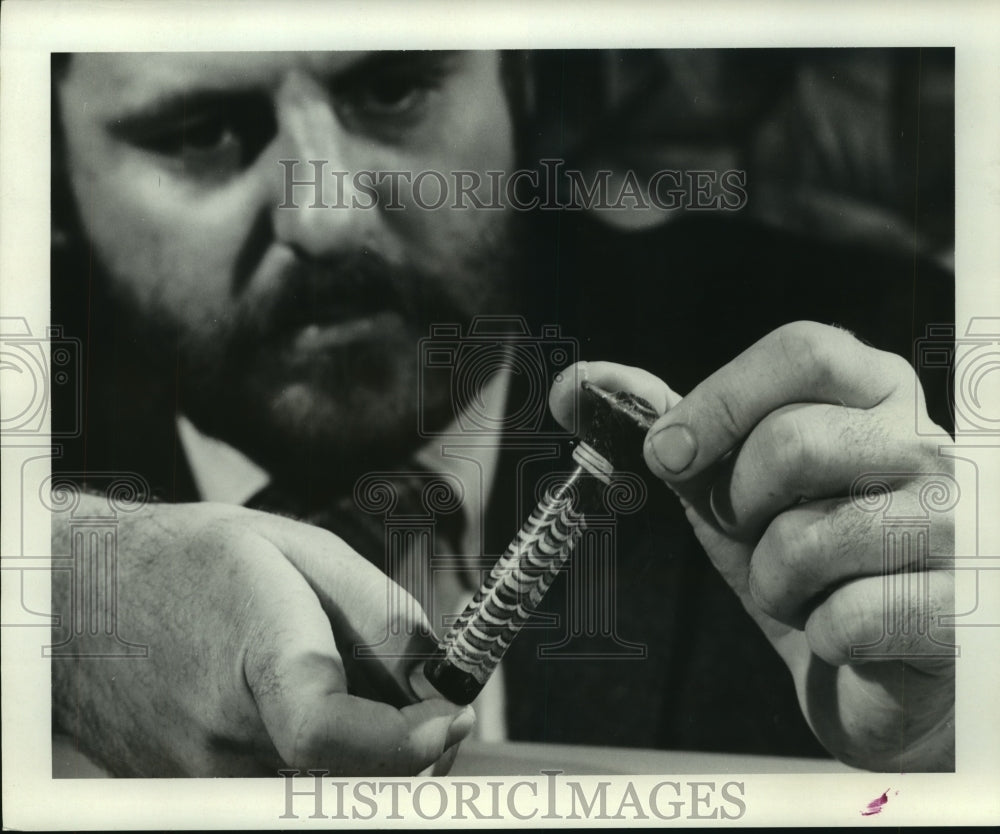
329	417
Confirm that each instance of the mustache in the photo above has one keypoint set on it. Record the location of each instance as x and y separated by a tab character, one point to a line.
332	290
359	281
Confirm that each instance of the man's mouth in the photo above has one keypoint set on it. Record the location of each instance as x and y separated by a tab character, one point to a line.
319	306
342	328
359	302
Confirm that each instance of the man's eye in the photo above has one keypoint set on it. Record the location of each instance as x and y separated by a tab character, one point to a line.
207	145
392	94
391	97
191	140
208	135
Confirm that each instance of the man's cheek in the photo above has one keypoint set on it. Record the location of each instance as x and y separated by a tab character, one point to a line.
168	278
116	225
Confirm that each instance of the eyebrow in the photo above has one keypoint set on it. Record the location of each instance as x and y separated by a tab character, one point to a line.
395	59
173	104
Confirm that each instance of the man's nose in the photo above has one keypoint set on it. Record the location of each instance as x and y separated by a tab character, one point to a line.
322	206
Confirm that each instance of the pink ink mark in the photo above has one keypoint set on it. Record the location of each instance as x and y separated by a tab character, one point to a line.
875	806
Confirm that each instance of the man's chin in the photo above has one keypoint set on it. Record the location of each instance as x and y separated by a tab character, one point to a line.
328	438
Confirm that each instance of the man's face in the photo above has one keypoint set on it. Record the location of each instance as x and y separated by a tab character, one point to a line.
296	329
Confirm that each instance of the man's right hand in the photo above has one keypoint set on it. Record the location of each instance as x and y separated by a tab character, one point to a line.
249	619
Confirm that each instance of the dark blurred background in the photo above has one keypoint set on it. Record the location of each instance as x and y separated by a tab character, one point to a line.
847	144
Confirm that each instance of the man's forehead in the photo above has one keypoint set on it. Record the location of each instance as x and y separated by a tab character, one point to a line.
134	78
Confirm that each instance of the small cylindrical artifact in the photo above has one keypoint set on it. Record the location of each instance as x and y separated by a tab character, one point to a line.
615	426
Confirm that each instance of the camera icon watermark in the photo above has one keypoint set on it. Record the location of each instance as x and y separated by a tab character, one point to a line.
464	364
87	624
34	370
969	367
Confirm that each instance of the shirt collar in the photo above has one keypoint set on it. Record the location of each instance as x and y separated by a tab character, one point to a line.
221	472
224	474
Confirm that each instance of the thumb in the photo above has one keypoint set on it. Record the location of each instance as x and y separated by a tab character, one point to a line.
435	734
564	396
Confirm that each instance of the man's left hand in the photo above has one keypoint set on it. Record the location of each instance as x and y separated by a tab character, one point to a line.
770	457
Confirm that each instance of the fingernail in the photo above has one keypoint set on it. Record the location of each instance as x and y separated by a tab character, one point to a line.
460	727
674	447
720	502
443	765
421	686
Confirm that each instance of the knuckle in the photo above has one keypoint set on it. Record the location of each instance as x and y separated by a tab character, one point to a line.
783	537
810	348
852	535
260	664
804	545
827	632
767	578
869	431
213	536
899	370
787	443
942	538
845	622
784	569
758	584
802	332
941	605
922	456
725	414
926	459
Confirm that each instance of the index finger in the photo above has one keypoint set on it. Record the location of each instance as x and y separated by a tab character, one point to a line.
315	724
382	628
799	362
295	674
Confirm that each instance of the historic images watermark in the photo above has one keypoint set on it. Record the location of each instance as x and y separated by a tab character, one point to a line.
550	186
553	797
